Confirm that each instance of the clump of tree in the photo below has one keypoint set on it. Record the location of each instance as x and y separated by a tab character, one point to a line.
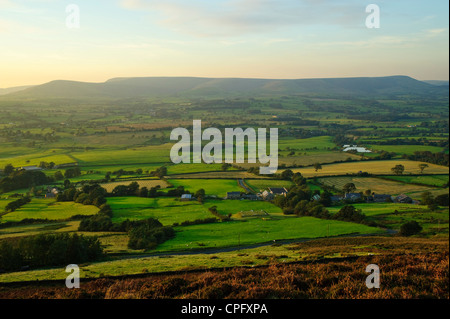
317	166
72	172
160	172
410	228
225	166
434	202
22	179
48	250
350	214
429	157
143	234
47	165
99	222
442	200
398	169
148	234
123	190
349	188
88	195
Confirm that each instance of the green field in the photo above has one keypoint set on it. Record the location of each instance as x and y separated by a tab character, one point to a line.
49	209
171	210
37	229
260	184
394	215
226	207
166	210
256	230
406	149
218	187
194	168
34	157
138	155
313	143
432	180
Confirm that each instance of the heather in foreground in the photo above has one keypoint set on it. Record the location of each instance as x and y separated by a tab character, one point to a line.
403	276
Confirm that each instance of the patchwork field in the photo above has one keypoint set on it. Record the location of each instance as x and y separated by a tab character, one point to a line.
166	210
171	210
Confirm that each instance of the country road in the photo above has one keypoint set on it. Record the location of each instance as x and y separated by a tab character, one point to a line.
244	186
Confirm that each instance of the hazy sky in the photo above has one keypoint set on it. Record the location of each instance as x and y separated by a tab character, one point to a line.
221	38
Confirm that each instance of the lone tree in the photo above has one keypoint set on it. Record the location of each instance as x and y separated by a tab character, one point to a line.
398	169
287	174
8	170
317	166
349	187
422	167
225	166
410	228
426	198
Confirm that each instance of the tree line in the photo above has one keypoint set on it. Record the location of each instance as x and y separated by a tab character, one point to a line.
48	250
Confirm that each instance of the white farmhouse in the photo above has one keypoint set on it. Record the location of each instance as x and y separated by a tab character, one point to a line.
356	148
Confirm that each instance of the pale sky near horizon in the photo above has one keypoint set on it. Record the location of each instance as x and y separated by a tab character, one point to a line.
282	39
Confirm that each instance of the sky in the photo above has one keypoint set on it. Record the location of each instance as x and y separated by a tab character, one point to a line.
41	40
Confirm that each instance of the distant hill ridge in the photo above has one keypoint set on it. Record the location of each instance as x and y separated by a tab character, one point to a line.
228	87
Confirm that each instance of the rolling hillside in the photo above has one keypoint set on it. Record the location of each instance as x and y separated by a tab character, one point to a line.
204	87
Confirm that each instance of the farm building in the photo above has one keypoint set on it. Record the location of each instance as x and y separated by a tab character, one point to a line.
250	197
52	192
266	195
381	198
278	191
336	198
31	168
234	195
186	197
67	165
356	148
404	199
352	196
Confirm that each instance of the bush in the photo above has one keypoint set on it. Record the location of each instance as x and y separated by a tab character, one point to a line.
442	200
410	228
349	213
